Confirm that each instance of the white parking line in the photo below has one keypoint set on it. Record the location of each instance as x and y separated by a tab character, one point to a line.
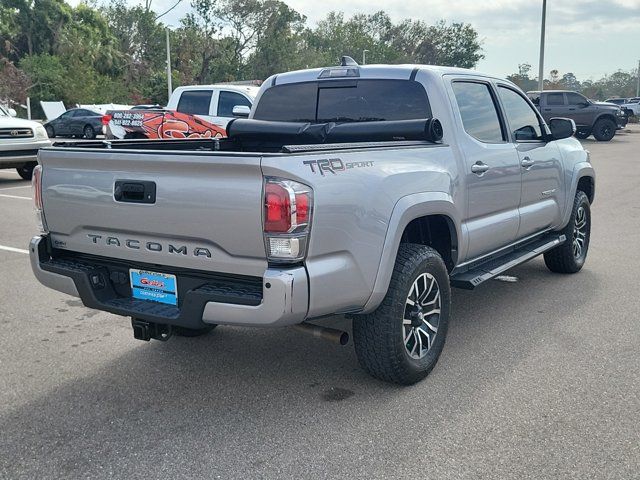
13	188
13	249
15	196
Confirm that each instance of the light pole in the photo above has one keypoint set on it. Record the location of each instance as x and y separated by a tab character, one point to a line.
364	57
638	84
169	88
541	63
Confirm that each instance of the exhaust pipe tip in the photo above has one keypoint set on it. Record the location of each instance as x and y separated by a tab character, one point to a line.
332	335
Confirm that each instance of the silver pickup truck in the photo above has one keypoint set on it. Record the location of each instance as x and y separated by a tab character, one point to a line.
360	190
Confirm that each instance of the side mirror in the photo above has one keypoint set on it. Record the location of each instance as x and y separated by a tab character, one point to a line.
585	104
241	111
12	112
562	128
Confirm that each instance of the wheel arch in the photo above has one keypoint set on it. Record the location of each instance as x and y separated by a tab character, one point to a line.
584	177
587	184
429	219
602	116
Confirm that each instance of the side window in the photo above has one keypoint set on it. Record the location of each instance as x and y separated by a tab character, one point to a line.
534	97
195	102
555	99
228	100
576	99
478	111
524	123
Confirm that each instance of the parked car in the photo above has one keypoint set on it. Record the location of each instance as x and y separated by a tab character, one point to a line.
76	122
629	105
599	119
312	208
192	111
19	142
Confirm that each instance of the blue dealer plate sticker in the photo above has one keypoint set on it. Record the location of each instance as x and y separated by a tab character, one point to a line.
154	286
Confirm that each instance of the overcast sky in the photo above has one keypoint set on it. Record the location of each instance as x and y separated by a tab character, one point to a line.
587	37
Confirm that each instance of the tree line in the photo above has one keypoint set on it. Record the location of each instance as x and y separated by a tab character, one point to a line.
618	84
115	52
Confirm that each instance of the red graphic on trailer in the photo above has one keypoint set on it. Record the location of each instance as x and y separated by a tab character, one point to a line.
164	124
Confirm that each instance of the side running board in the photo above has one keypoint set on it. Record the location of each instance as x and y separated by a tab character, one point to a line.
493	267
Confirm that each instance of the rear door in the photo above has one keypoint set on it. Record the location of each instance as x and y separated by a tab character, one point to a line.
492	173
540	164
206	214
200	103
553	105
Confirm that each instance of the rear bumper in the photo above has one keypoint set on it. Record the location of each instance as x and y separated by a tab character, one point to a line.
279	298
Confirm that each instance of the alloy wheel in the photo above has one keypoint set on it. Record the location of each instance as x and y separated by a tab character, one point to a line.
421	316
580	232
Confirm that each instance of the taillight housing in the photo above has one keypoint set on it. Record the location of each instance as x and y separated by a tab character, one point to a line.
36	185
106	119
288	208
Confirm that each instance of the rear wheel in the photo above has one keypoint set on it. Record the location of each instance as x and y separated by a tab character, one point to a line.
192	332
604	129
26	171
401	341
89	132
571	255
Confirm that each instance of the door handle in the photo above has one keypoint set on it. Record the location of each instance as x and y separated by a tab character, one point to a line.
527	162
479	168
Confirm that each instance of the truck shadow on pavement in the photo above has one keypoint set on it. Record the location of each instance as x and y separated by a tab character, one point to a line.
195	405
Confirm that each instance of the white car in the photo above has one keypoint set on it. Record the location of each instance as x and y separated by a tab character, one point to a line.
20	141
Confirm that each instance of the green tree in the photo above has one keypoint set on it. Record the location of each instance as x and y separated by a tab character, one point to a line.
522	78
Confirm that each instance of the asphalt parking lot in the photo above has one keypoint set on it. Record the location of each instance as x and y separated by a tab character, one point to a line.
540	377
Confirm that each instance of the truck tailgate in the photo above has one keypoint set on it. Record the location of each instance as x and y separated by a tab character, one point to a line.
207	213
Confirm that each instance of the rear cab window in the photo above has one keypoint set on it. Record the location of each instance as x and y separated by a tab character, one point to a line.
195	102
339	101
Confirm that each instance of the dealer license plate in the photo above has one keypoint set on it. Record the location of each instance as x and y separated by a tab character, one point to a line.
154	286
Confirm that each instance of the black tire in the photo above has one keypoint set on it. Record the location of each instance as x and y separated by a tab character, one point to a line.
563	259
50	131
89	132
379	337
192	332
583	135
26	171
604	129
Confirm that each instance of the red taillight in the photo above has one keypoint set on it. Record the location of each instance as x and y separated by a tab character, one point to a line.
106	119
302	208
277	208
36	184
288	206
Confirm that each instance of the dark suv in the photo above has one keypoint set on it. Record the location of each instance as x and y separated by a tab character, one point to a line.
597	118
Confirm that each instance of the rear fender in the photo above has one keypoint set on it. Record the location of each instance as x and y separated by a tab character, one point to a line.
407	209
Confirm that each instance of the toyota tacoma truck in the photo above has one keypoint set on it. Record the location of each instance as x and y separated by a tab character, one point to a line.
367	191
